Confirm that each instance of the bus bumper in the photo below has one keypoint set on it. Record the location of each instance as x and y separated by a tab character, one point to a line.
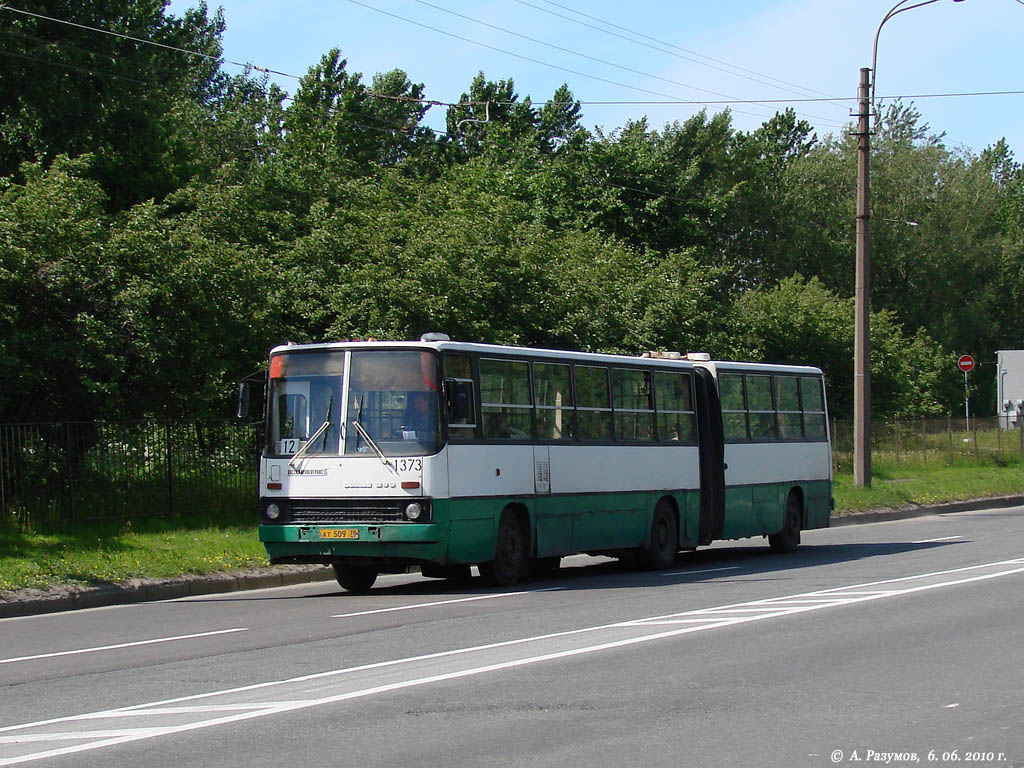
317	542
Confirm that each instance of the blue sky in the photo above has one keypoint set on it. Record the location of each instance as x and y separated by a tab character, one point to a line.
655	51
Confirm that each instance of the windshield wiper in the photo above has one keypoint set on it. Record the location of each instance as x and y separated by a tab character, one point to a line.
366	435
323	428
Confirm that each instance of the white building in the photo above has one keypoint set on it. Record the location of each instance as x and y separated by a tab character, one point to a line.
1010	387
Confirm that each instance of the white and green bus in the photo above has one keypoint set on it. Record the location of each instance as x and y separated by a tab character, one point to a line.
442	454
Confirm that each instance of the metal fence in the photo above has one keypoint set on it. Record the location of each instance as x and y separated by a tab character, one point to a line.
930	441
55	474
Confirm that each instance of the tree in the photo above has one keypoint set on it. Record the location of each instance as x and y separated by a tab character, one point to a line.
69	90
802	322
56	293
491	116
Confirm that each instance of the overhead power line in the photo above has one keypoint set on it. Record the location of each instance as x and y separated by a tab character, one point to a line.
801	89
589	57
519	55
144	41
667	101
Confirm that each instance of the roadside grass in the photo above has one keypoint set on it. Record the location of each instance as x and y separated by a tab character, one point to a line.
913	482
91	554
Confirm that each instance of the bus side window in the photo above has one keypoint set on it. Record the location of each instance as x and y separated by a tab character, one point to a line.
760	407
787	401
633	399
593	403
553	398
813	402
675	408
505	399
734	407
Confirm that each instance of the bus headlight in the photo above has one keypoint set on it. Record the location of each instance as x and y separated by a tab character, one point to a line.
414	510
273	512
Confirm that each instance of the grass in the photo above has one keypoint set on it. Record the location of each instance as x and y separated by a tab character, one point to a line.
101	553
90	554
895	485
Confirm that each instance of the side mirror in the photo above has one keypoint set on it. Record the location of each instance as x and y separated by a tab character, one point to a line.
243	399
459	401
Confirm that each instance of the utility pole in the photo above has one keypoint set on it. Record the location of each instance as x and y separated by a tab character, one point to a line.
862	344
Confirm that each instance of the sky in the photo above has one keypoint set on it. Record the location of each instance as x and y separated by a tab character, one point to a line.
736	51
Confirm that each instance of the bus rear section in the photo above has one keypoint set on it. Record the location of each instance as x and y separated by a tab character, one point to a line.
777	452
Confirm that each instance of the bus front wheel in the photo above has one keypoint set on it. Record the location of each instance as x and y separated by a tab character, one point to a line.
509	563
355	578
788	538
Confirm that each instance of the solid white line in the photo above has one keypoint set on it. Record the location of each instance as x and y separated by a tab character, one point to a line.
941	538
703	570
121	645
444	602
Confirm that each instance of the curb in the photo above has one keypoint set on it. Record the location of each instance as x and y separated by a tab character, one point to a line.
35	602
922	510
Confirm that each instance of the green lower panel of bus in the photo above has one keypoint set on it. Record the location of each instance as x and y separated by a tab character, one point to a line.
565	524
757	510
464	529
407	541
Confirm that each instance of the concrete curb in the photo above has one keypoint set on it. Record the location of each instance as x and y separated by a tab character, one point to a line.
30	602
35	602
921	510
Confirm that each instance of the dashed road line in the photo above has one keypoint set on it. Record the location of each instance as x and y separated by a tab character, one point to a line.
412	606
118	646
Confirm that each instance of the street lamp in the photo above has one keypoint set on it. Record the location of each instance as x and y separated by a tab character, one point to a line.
861	329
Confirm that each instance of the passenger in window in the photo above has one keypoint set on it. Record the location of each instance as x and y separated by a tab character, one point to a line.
420	421
506	431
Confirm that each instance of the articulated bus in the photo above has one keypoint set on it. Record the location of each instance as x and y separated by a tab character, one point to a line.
381	456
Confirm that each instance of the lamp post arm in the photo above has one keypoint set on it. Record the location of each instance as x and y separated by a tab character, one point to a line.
899	8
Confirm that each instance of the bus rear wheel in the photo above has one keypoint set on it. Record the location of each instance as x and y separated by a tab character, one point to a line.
788	538
355	578
661	552
509	563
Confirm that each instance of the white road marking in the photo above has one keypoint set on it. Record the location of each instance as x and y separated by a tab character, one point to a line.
286	693
410	606
941	538
121	645
703	570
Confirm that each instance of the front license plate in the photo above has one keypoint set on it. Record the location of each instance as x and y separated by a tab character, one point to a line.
339	533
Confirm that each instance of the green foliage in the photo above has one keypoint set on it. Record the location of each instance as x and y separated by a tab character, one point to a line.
910	376
67	90
56	292
162	224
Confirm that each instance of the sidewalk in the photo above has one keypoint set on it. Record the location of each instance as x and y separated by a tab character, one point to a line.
31	602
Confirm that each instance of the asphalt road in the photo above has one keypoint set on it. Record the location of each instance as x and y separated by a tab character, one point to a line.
894	643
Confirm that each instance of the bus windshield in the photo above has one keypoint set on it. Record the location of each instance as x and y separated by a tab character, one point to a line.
305	403
393	403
